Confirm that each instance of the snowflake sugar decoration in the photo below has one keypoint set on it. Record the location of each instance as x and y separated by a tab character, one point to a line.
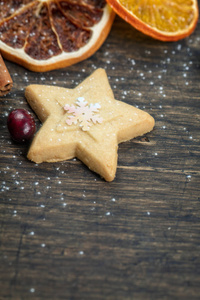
83	113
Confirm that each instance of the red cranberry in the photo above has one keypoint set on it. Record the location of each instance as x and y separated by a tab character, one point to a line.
21	125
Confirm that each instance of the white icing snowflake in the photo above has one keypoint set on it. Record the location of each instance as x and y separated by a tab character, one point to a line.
83	113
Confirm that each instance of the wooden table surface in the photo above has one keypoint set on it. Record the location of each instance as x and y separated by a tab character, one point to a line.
65	232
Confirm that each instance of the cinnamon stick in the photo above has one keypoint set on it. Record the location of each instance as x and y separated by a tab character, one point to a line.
6	82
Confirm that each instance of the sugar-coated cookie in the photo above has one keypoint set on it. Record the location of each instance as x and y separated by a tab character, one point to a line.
85	122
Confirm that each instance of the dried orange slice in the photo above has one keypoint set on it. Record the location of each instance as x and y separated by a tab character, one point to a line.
165	20
43	35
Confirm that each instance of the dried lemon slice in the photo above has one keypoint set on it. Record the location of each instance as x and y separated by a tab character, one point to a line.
48	34
165	20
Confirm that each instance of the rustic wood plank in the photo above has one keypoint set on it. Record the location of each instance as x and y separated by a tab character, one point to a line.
68	234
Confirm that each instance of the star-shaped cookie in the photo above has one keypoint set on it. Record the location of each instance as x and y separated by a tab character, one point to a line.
85	122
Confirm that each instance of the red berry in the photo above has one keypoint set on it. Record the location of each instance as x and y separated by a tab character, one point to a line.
21	125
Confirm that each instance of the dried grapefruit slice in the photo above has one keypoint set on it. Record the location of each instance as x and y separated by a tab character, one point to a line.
165	20
44	35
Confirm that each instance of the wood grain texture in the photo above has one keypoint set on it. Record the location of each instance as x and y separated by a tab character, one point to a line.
66	233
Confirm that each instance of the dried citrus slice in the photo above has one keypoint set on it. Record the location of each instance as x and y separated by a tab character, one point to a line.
165	20
43	35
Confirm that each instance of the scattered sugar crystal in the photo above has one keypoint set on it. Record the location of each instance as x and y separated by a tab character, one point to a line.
133	62
14	214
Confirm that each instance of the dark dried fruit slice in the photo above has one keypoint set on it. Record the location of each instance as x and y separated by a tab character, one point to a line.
43	35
